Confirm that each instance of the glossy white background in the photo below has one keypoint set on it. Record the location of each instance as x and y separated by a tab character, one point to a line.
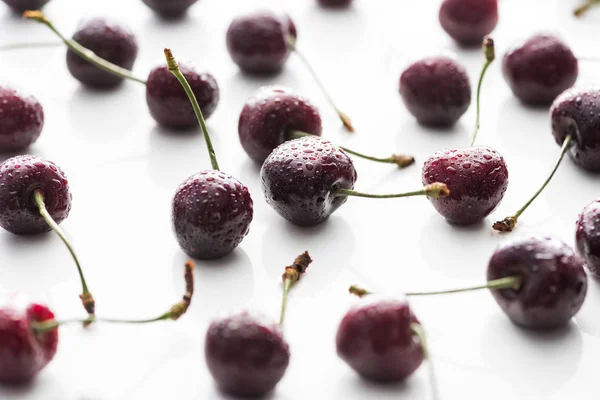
124	169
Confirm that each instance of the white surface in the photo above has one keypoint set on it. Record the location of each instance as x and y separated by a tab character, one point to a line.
124	169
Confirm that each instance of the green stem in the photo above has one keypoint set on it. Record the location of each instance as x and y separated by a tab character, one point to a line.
33	45
287	285
511	282
174	68
507	224
434	190
489	52
343	117
83	52
579	11
419	332
399	159
86	296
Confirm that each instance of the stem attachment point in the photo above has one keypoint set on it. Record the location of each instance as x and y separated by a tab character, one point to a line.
292	275
358	291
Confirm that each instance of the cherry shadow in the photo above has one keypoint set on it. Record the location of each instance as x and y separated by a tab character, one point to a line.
422	140
351	385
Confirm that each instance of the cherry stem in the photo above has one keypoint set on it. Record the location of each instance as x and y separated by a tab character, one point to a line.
508	223
176	311
291	275
83	52
86	297
579	11
510	282
419	332
400	160
435	190
490	54
32	45
343	117
174	68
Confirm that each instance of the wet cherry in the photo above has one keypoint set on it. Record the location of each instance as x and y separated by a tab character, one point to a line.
23	5
22	119
107	40
539	69
468	21
335	3
305	180
169	8
436	90
587	236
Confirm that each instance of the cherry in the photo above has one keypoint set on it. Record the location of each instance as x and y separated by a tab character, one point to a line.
165	97
23	5
468	21
540	69
22	119
579	11
275	115
436	90
169	8
261	42
246	353
335	3
305	180
169	105
212	210
107	40
587	237
23	352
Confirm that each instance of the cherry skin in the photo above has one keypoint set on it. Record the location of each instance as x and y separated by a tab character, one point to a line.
436	90
211	215
109	41
553	281
22	119
21	6
577	111
376	340
169	8
300	176
540	69
168	103
477	178
587	237
19	177
269	117
258	41
246	354
335	3
468	21
24	353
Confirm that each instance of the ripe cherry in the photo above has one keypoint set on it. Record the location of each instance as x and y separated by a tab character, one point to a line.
246	353
261	42
305	180
540	69
165	97
108	40
169	8
587	237
335	3
275	115
22	119
436	90
212	210
23	5
468	21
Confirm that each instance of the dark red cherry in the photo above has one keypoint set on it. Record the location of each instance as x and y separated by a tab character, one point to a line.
19	177
553	282
24	5
212	212
168	103
300	176
269	117
169	8
436	90
376	340
21	119
109	41
477	178
577	111
587	236
246	354
258	41
468	21
335	3
540	69
24	353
